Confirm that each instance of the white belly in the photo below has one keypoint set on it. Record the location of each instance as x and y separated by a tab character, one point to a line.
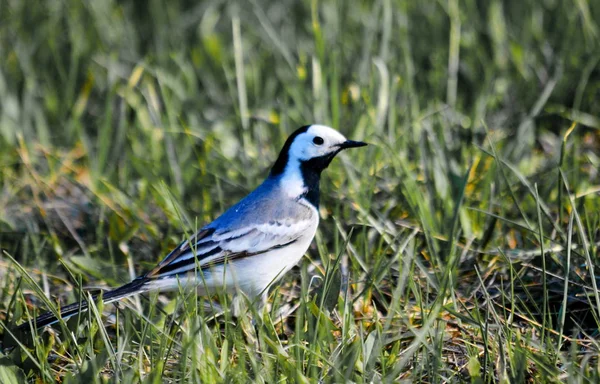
252	275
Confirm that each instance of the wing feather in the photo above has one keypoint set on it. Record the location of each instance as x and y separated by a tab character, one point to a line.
212	247
180	251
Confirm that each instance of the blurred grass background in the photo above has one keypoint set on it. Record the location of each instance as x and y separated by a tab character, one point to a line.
461	246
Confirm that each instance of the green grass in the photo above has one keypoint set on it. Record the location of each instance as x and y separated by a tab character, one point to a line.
461	246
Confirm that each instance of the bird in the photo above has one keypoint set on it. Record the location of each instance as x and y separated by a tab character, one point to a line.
253	243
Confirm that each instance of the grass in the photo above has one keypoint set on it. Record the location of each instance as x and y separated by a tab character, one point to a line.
461	246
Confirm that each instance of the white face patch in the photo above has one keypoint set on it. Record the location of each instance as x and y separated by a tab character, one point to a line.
317	141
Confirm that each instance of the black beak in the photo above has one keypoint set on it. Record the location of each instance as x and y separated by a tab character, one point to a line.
351	144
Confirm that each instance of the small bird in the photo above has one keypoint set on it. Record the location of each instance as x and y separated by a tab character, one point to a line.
255	242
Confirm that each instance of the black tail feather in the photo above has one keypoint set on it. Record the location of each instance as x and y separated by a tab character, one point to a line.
48	318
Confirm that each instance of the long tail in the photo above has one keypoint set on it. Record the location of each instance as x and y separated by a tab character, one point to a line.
48	318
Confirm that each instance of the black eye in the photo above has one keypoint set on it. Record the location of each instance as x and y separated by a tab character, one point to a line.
318	140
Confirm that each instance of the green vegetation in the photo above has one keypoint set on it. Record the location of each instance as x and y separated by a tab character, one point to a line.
461	246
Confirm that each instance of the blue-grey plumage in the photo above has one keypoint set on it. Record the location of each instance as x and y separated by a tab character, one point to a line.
256	241
268	202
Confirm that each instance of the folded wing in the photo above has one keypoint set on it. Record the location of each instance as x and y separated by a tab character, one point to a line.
211	247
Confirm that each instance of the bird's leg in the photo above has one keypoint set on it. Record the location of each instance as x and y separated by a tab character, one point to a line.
261	305
242	312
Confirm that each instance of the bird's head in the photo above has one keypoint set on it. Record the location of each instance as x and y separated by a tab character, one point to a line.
312	147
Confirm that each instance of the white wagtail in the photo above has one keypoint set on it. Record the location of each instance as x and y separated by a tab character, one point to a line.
255	242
